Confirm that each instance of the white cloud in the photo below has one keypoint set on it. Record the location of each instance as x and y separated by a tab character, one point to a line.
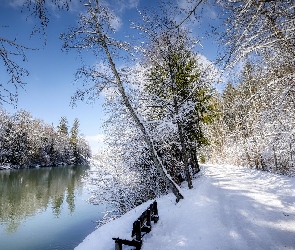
95	142
95	138
132	3
116	23
185	4
17	3
210	12
212	73
118	8
123	5
204	60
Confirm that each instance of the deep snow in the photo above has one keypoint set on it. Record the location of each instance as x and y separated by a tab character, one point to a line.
229	208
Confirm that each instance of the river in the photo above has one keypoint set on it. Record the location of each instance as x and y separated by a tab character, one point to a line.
45	208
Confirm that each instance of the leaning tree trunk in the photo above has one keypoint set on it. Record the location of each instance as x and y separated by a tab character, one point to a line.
160	167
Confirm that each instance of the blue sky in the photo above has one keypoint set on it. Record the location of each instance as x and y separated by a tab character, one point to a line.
50	84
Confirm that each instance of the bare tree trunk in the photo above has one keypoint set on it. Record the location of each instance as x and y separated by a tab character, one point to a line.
194	160
160	167
291	159
275	157
185	158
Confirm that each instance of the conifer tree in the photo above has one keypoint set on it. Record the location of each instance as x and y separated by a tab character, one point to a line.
74	133
63	127
179	95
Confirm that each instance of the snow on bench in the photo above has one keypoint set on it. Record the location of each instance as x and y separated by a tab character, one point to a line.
140	227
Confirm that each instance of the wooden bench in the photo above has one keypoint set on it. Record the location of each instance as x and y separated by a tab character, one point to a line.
141	226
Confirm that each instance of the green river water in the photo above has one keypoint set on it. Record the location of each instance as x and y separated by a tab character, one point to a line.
45	208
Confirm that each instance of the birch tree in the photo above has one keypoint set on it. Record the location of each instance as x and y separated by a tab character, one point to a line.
95	32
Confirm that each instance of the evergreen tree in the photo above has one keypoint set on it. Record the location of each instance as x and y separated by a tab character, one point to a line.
179	95
74	133
63	127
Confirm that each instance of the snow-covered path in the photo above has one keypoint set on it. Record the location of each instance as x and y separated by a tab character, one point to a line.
229	208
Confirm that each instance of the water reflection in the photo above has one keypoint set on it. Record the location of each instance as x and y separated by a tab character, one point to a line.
24	193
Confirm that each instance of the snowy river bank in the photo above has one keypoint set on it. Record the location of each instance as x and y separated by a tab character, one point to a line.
229	208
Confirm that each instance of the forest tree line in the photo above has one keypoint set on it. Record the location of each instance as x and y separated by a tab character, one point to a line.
256	124
29	142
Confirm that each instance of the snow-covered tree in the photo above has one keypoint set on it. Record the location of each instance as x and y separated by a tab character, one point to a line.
95	32
28	142
256	112
257	130
80	148
63	127
178	97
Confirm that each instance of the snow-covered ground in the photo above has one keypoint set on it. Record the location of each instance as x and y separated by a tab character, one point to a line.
229	208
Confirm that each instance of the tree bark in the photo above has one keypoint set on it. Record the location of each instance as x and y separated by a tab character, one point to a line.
185	158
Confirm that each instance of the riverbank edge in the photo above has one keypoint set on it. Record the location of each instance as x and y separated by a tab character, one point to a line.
9	166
